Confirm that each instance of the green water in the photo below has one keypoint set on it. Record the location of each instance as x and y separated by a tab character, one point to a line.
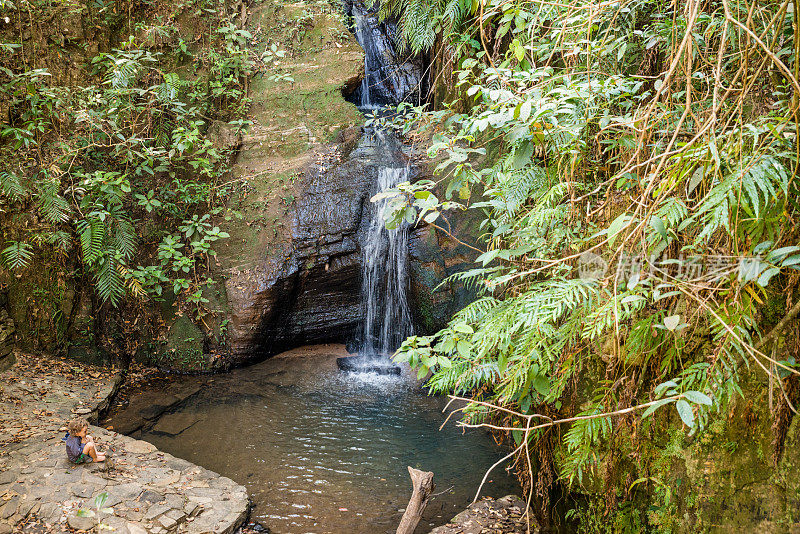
326	452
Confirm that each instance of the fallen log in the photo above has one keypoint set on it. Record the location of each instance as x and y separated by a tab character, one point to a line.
423	486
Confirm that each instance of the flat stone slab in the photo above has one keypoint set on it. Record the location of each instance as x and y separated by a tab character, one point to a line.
147	491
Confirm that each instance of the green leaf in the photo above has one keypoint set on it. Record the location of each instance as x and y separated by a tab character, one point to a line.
100	499
658	225
17	255
463	328
633	298
664	385
685	412
523	155
502	362
649	411
767	275
791	261
431	217
672	322
541	384
525	111
698	398
697	177
616	227
777	255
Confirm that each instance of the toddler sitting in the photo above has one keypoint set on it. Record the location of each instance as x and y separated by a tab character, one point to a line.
80	446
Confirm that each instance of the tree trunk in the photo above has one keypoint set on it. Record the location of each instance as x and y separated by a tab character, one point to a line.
422	482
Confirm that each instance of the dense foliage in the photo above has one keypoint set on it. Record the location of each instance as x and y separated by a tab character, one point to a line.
117	169
636	164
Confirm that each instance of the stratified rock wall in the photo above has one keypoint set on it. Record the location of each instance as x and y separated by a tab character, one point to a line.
290	267
7	331
313	294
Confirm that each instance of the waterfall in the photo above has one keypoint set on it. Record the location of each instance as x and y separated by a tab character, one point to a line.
387	318
362	31
389	77
388	80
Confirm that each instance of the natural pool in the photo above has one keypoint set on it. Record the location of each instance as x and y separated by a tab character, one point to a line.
327	452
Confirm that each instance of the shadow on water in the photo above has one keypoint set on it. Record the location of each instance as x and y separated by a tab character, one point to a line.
327	452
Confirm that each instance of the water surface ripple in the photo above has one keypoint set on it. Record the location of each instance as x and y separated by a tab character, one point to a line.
326	452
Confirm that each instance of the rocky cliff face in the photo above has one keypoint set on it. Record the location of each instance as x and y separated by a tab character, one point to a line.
289	271
434	257
297	280
309	290
311	293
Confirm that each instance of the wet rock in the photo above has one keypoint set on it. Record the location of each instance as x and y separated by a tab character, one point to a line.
391	77
356	364
152	411
312	295
175	423
148	406
433	257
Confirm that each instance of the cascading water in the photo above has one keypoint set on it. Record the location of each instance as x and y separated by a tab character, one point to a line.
387	318
387	81
389	78
362	30
327	452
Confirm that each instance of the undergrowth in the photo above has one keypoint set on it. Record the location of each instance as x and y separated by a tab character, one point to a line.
639	219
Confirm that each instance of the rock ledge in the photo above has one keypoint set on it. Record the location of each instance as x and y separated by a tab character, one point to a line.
147	490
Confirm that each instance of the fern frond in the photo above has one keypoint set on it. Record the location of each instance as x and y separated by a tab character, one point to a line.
61	240
125	238
53	207
17	255
109	281
92	234
11	187
124	74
